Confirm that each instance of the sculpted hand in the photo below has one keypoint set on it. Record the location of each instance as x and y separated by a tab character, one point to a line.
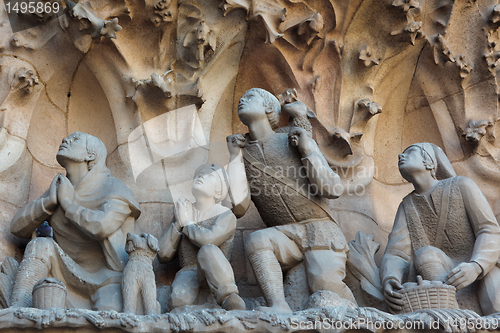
464	274
181	212
298	138
392	298
65	192
234	144
50	202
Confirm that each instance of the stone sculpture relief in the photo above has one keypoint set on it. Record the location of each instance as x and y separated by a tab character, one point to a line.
265	167
159	83
90	213
446	228
196	43
138	284
202	233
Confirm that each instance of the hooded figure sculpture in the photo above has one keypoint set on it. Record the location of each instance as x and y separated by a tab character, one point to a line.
444	231
90	213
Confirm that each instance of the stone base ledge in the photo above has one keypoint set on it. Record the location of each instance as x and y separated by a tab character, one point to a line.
327	319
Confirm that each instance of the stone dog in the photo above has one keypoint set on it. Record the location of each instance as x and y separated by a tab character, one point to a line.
138	285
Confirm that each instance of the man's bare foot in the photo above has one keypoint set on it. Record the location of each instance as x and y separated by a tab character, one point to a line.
234	302
277	307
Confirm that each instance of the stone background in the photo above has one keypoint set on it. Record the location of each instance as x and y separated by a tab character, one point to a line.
429	65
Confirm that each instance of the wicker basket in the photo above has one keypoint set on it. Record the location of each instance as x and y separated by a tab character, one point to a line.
49	293
428	295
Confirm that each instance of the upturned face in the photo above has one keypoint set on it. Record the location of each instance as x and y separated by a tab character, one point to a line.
411	162
74	148
205	183
251	107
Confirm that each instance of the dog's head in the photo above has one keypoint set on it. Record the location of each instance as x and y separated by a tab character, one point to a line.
142	241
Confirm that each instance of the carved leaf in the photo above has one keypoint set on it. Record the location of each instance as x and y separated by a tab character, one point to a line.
271	12
9	267
7	276
230	5
5	290
90	21
108	9
361	261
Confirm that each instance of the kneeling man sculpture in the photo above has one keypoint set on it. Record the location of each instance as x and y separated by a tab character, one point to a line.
287	177
90	213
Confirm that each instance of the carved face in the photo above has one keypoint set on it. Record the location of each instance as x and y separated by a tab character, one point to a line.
411	162
74	148
476	130
201	33
205	183
251	107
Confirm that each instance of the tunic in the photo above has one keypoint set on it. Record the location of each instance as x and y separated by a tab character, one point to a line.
289	191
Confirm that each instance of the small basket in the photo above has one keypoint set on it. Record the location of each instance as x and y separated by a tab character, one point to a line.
428	295
49	293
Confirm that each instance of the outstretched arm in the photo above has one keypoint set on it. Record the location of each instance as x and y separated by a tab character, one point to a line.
487	246
238	184
395	261
319	173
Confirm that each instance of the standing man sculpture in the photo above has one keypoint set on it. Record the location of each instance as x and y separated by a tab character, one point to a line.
444	230
90	213
286	176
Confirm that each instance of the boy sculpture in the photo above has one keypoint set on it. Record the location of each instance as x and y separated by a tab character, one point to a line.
287	177
446	228
202	233
90	213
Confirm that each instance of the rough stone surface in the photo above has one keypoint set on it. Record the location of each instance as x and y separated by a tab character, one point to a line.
159	83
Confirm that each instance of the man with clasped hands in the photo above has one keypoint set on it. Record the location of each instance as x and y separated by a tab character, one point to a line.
90	213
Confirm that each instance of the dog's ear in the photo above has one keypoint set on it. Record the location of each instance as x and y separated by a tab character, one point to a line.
153	243
129	247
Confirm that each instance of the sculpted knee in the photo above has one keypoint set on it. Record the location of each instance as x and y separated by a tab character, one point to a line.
258	241
208	253
41	248
185	289
182	296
